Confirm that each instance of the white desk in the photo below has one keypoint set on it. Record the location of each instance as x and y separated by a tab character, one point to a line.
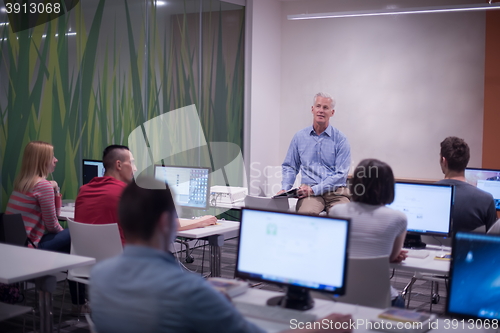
22	263
215	234
426	265
67	212
361	314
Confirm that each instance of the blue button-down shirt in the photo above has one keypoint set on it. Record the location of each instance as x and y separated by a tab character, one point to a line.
144	290
324	160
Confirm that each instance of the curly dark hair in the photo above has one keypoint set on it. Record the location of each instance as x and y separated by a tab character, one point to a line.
456	152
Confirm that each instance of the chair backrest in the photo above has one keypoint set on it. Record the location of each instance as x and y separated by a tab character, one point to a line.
368	282
12	229
99	241
277	204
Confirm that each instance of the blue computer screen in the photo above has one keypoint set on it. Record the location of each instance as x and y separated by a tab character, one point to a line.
475	276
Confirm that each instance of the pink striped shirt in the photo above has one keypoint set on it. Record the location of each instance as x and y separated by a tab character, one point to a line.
39	208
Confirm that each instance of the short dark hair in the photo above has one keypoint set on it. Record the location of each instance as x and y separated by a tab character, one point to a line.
456	152
373	183
142	203
111	154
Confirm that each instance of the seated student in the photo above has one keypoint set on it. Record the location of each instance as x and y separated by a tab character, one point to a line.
144	289
472	207
376	230
97	201
38	201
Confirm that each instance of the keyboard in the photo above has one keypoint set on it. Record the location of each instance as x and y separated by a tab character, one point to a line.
273	313
421	254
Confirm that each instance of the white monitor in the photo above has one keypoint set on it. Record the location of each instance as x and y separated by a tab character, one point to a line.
428	207
91	169
190	184
487	180
301	252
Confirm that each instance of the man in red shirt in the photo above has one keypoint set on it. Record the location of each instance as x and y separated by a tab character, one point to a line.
97	201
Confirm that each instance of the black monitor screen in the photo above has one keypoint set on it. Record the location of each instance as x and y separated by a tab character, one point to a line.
190	184
474	290
487	180
427	207
91	169
301	251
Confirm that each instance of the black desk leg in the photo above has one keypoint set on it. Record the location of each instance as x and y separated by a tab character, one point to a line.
215	242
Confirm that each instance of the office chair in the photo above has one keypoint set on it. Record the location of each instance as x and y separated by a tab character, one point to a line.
99	241
368	282
12	230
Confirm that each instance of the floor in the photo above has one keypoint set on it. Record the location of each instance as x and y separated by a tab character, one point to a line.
420	297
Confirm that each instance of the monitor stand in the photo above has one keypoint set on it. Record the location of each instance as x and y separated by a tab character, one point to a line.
296	298
414	242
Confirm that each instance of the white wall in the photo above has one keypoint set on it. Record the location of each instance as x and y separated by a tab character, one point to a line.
402	83
263	77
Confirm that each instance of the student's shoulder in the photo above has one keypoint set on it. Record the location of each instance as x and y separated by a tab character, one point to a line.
392	213
473	191
43	185
340	209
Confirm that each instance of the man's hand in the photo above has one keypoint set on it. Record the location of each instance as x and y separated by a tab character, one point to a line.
304	191
282	191
402	256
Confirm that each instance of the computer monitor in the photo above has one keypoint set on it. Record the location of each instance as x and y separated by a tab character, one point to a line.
427	207
474	290
91	169
190	184
300	252
487	180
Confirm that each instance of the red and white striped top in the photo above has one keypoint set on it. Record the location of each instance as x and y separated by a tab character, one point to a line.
39	208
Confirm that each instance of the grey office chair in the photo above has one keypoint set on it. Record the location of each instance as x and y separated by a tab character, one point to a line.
368	282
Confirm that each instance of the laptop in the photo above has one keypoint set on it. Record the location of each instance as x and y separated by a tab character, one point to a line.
279	204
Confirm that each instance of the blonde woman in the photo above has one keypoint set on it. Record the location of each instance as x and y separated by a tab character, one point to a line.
39	201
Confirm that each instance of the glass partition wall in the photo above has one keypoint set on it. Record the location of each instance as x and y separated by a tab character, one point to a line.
105	69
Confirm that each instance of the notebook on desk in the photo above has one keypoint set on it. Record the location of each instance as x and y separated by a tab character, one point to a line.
277	204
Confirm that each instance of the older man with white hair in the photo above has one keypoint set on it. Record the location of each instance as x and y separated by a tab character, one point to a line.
323	156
